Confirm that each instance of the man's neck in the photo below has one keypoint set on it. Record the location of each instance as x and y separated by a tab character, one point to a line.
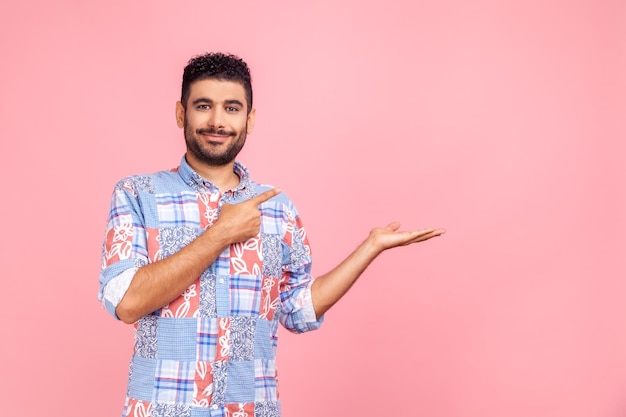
223	177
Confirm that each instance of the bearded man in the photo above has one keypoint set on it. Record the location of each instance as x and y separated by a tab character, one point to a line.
206	263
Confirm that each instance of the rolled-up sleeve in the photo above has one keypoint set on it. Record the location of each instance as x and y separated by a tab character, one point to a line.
297	312
125	245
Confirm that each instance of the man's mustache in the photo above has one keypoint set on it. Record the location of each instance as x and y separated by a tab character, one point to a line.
213	131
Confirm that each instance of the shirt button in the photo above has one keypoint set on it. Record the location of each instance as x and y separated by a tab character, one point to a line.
221	280
214	406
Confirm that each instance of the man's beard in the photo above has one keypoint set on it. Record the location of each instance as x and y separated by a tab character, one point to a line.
207	156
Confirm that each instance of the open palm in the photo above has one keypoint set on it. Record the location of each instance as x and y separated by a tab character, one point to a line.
390	237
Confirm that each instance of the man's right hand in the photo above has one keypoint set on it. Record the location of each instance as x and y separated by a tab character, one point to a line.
242	221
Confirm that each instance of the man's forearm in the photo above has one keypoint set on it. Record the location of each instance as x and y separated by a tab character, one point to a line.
330	287
156	284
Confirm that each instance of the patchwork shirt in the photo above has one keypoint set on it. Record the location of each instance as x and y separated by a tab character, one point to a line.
211	351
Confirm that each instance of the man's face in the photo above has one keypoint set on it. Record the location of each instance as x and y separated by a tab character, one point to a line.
215	122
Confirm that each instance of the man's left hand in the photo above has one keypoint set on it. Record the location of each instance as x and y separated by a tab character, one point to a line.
390	237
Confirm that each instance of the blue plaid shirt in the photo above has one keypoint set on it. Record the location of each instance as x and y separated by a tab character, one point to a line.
212	351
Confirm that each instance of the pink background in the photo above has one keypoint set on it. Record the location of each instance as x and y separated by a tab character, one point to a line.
502	121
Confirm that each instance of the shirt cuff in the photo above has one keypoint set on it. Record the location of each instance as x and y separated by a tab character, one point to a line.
305	303
116	288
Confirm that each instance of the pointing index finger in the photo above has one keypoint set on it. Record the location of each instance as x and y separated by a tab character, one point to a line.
266	195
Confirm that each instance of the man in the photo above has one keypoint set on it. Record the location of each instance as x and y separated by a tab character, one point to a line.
207	262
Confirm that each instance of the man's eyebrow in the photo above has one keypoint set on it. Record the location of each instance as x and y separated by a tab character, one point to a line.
205	100
202	100
233	101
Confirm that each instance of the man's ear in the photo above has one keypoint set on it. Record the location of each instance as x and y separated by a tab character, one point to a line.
251	119
180	114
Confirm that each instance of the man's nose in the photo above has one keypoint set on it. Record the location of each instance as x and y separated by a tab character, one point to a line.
216	118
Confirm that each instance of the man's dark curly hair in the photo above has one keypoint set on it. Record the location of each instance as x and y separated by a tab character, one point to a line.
218	66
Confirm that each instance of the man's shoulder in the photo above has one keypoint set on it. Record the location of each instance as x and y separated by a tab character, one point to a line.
146	182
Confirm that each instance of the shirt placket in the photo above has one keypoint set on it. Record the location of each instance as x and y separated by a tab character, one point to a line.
222	277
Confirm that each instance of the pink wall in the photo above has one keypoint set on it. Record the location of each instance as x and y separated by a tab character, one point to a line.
502	121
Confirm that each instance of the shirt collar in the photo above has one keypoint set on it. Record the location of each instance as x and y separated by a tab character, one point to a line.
196	181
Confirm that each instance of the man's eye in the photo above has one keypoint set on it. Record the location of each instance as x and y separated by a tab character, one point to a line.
203	107
232	109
